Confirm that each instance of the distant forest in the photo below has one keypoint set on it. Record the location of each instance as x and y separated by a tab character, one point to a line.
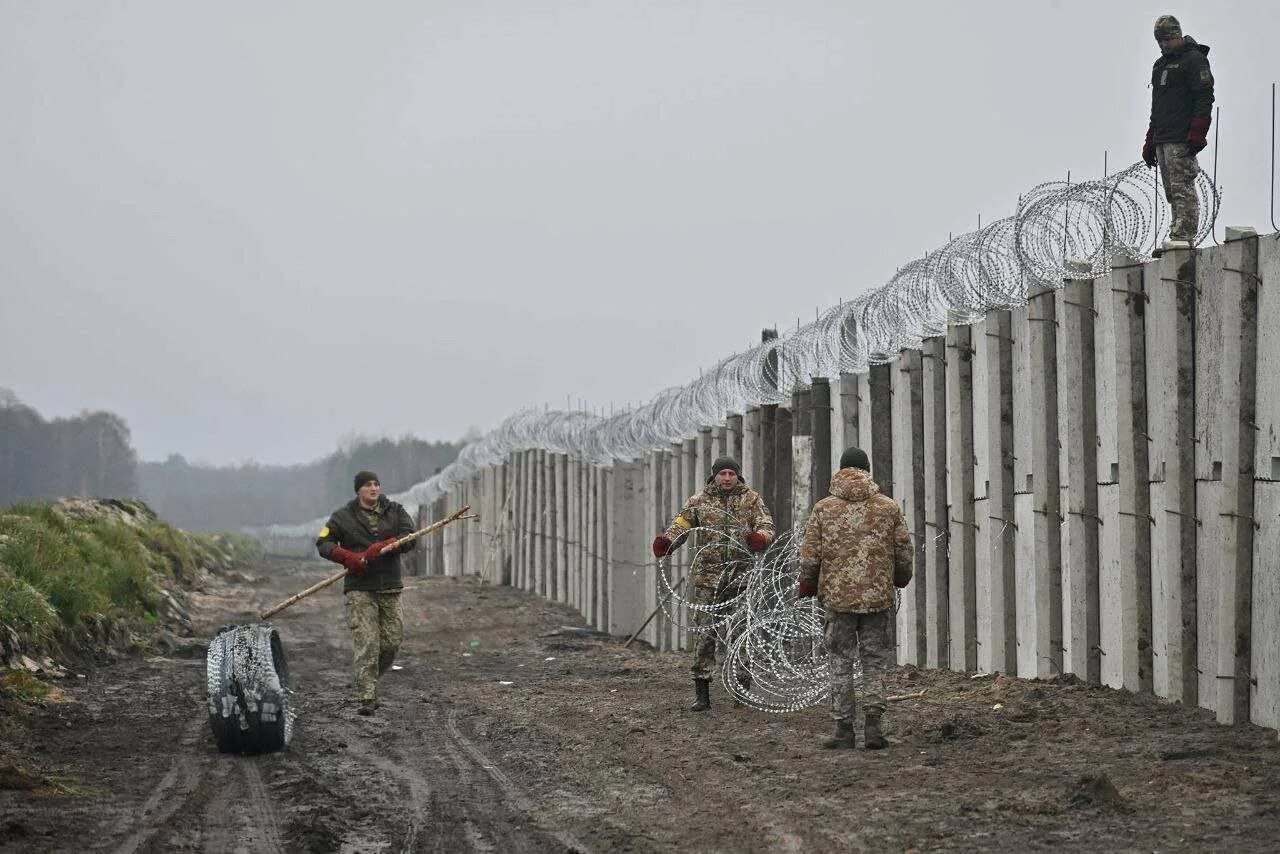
203	498
91	455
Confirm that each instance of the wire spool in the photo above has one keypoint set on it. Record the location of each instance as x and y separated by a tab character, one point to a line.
247	677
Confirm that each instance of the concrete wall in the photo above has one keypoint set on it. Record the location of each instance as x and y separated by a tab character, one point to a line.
1092	482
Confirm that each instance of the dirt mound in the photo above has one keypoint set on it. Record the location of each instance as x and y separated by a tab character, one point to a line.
1095	790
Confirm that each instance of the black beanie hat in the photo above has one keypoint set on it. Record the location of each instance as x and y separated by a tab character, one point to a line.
723	463
364	477
855	458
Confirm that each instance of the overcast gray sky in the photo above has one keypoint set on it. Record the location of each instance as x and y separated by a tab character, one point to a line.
252	228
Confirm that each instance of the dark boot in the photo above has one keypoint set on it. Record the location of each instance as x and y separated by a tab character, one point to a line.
844	739
873	737
744	682
702	692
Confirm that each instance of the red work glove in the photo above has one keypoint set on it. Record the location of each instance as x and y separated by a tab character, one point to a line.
661	545
1197	132
757	541
376	550
1149	149
353	561
806	590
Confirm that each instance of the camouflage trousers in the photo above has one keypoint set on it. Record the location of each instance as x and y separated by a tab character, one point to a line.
1178	170
377	628
702	647
861	650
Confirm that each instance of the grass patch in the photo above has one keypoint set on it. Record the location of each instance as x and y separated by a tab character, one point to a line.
21	685
62	564
25	609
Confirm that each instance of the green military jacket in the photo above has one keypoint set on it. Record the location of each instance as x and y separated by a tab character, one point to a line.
355	528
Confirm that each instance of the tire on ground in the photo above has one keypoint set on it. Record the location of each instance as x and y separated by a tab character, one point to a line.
248	687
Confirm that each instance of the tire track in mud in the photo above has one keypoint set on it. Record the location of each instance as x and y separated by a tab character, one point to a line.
511	795
419	797
170	793
214	802
266	822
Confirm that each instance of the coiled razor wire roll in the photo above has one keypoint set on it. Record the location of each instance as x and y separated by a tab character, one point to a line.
250	708
773	655
1061	230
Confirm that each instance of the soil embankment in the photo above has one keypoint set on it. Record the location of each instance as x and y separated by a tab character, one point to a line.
501	733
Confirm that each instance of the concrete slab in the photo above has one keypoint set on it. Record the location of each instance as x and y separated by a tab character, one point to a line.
1212	402
1042	327
1078	473
1264	699
801	470
963	527
908	468
1001	541
936	510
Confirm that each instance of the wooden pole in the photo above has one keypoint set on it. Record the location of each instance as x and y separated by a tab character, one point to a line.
654	612
320	585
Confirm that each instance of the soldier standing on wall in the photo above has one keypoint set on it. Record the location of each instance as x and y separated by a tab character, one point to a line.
360	536
724	517
856	550
1181	110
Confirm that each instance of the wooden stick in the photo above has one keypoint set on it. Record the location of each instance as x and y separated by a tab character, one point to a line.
896	697
320	585
409	538
655	611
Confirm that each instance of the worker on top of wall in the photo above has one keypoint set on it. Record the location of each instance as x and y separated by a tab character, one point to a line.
360	536
856	550
1181	110
725	517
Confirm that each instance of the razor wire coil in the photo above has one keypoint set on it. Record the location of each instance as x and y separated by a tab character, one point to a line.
1060	231
774	655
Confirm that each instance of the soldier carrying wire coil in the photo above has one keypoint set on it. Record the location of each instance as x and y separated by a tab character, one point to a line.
723	517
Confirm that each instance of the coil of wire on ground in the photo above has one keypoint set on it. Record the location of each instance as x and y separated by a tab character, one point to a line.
1060	230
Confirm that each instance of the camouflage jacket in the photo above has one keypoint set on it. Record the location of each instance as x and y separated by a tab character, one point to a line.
731	515
855	542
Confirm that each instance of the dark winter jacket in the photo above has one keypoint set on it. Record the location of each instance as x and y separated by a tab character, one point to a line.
1181	87
349	527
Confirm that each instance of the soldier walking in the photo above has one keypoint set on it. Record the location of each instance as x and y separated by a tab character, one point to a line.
725	517
1181	110
856	550
360	536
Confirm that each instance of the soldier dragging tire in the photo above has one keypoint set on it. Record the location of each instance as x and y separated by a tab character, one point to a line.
362	537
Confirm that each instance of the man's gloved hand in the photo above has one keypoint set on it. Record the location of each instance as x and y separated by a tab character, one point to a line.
377	549
806	590
661	545
1197	133
353	561
757	541
1149	149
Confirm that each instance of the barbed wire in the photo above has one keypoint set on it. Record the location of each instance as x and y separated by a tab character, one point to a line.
1061	230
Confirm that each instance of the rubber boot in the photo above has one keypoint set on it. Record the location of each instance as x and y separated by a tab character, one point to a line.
873	737
844	738
744	682
702	692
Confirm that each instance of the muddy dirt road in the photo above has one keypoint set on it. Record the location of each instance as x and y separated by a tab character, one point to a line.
588	748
